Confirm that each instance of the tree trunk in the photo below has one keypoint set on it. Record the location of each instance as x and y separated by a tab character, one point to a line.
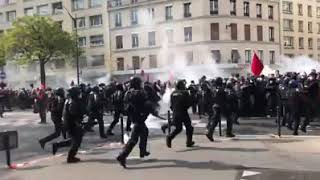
43	101
42	73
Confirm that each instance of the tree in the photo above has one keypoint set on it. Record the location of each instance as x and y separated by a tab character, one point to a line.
2	51
38	39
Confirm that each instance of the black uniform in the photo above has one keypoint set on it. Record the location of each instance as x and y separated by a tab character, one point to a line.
95	110
73	117
224	102
272	97
56	105
117	100
181	101
135	104
193	92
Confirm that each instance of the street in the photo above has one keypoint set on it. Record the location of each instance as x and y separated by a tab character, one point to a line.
255	154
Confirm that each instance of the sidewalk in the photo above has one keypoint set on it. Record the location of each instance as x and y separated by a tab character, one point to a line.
225	159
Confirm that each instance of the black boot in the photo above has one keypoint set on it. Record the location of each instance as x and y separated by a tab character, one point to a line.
54	148
190	144
42	144
122	161
168	142
73	160
210	137
144	154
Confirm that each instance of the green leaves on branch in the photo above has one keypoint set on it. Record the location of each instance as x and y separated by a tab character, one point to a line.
38	38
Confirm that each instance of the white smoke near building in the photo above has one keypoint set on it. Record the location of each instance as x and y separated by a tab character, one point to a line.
299	64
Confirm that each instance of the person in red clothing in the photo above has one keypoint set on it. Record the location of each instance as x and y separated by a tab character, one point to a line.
41	100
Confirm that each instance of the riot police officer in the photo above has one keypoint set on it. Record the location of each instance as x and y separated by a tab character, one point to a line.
95	110
222	107
117	100
73	116
181	101
135	101
56	104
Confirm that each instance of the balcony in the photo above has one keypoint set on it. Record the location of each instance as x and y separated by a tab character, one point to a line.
121	3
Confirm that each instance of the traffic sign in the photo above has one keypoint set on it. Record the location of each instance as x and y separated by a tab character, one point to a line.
3	75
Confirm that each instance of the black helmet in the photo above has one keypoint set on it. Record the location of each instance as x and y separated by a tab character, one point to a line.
293	84
219	81
181	85
229	84
96	89
74	92
136	83
59	92
119	86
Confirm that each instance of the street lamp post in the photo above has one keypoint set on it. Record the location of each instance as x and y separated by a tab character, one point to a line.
74	19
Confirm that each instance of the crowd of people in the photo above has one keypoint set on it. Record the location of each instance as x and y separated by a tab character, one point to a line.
293	96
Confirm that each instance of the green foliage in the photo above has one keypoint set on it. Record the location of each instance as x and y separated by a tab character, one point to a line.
2	51
38	38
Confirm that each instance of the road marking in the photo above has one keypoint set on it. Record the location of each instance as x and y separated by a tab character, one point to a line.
250	173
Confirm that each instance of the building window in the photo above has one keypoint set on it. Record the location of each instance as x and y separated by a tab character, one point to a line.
82	41
136	62
57	8
287	7
77	4
270	12
310	56
318	44
235	56
95	20
288	25
260	33
135	40
169	35
187	9
233	7
119	42
310	11
11	16
310	43
300	9
28	11
301	43
60	24
95	3
153	61
152	38
300	26
43	10
288	42
214	7
272	57
271	34
82	62
247	54
247	32
259	10
234	31
118	21
169	13
118	2
96	40
215	31
120	64
98	60
134	17
187	34
189	58
80	22
134	1
216	56
310	27
318	28
246	8
260	55
318	11
151	13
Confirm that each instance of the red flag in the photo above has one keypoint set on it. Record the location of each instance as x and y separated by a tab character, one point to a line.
256	65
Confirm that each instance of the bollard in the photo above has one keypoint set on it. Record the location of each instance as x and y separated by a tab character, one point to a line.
122	130
220	127
279	121
7	149
169	122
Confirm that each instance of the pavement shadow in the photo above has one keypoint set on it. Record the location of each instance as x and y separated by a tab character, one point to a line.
224	149
173	163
